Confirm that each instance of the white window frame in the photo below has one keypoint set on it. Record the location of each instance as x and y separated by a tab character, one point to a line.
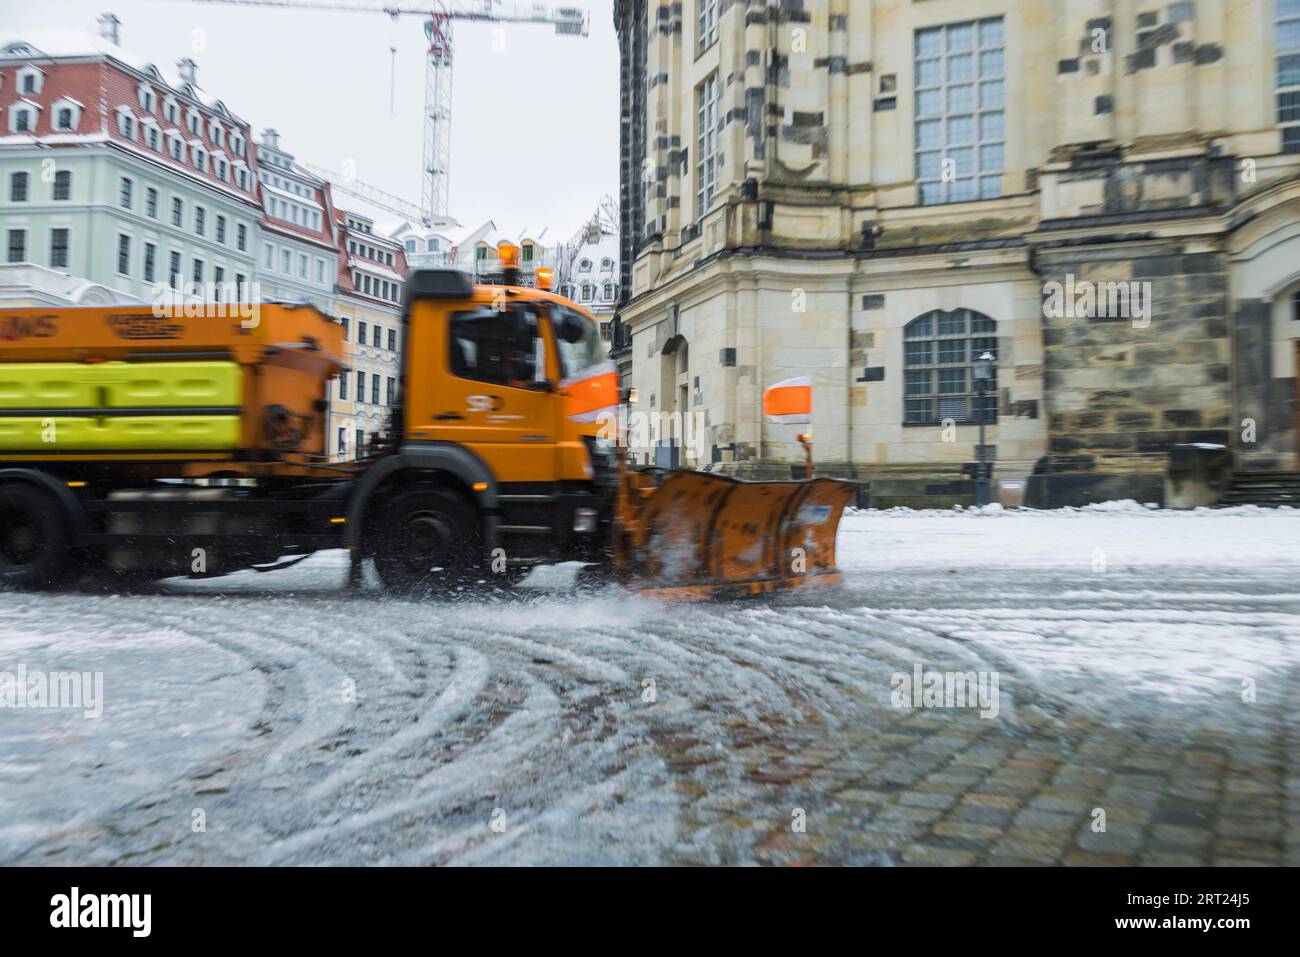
65	103
117	254
1287	16
707	25
975	175
707	99
20	80
127	123
25	108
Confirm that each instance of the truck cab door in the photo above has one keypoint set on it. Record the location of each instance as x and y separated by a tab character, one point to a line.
497	399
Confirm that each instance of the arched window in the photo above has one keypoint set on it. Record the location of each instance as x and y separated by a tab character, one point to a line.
937	383
587	291
609	291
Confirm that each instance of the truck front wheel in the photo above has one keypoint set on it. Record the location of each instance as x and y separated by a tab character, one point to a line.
33	538
427	539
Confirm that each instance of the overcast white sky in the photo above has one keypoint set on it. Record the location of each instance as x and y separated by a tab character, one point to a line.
534	131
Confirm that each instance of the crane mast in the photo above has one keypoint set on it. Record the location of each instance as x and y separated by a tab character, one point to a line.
439	16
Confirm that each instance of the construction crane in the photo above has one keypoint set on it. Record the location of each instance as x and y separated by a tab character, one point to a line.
372	195
440	14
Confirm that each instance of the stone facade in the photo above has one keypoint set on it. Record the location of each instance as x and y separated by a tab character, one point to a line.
848	190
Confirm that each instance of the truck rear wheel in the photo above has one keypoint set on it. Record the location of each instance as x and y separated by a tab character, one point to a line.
427	539
33	538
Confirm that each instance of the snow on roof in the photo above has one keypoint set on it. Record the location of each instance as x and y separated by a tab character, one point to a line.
71	42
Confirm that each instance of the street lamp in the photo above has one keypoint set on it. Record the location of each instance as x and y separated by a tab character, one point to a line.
982	370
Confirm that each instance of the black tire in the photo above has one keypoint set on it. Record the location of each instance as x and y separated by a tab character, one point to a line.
427	543
33	538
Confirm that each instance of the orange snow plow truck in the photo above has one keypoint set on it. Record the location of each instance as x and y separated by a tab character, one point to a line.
196	443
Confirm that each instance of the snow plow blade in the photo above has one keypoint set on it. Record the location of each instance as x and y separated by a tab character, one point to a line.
699	536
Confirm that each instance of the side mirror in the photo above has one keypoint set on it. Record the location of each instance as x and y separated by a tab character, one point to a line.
569	328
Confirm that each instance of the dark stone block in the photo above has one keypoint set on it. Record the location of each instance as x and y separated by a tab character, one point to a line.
1089	420
1184	11
1166	33
1134	421
873	374
956	487
1110	441
1150	267
885	104
1149	19
1156	355
1184	52
1203	285
1066	443
1069	490
1215	308
1216	329
1203	262
1104	104
1216	372
1208	53
873	301
1142	60
1182	418
1111	398
1067	66
727	357
1156	441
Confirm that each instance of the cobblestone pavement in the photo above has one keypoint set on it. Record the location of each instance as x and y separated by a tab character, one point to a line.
1204	779
606	729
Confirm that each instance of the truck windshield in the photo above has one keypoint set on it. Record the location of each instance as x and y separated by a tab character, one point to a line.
578	340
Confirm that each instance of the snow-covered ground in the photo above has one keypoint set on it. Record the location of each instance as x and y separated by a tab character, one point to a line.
277	719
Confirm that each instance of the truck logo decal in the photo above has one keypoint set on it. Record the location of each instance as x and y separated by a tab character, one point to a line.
484	403
27	327
144	325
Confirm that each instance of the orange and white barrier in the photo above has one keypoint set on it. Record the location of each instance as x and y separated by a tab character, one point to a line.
789	401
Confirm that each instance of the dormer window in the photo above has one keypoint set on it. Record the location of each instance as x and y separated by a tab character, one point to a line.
126	122
606	264
152	134
221	167
30	81
22	117
67	114
171	112
193	121
175	146
216	132
200	157
147	97
584	265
